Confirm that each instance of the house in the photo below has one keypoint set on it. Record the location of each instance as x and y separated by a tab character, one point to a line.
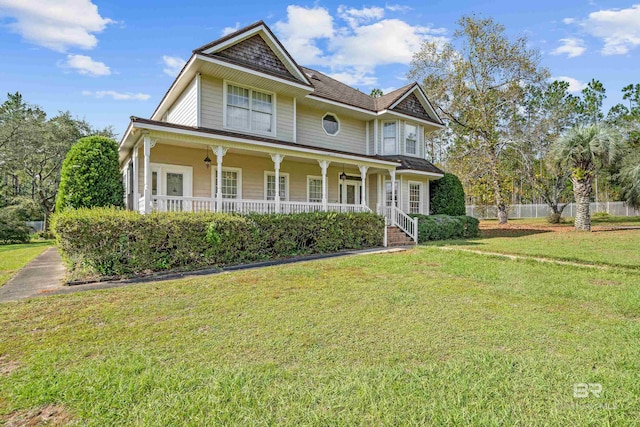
244	128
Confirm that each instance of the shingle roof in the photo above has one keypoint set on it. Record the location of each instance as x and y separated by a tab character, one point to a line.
413	163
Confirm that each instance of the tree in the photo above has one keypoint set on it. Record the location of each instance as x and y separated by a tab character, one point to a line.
584	150
32	149
446	196
91	175
629	178
479	85
376	93
549	111
591	104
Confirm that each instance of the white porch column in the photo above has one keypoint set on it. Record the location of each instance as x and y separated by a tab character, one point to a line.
324	165
363	190
277	160
219	152
393	186
136	169
148	144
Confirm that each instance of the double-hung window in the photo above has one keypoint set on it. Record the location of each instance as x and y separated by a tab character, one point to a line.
249	110
414	197
229	184
411	139
389	138
314	189
271	186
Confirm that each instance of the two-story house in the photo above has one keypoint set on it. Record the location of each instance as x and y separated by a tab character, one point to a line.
244	128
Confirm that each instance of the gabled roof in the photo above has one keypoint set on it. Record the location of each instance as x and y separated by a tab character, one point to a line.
260	49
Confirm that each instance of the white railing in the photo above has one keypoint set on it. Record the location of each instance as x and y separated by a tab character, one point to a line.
181	204
243	206
338	207
397	218
543	210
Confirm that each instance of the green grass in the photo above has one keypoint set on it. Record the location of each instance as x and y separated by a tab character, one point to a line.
568	221
14	257
612	248
424	337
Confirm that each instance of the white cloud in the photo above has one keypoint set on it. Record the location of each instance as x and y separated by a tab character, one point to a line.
85	65
398	8
571	46
172	65
229	30
117	96
575	85
354	50
568	21
356	17
618	28
301	30
57	25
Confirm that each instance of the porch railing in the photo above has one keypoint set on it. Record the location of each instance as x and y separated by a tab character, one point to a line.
206	204
397	218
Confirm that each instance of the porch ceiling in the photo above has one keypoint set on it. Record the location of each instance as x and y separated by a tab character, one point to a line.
196	138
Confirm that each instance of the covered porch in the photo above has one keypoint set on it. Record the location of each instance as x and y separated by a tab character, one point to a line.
177	173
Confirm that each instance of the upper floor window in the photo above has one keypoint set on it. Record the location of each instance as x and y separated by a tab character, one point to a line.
249	109
331	124
389	138
410	139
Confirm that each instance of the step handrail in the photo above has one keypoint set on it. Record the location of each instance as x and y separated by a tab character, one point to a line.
405	223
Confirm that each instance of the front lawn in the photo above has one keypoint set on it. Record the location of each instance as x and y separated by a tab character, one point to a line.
14	257
425	337
613	248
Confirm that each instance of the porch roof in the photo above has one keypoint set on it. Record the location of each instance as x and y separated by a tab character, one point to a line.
128	140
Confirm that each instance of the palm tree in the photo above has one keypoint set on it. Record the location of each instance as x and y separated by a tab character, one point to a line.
582	151
629	178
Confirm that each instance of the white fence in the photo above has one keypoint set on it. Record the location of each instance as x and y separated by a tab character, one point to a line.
542	210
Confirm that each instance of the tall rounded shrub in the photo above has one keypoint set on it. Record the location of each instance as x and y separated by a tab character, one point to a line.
447	196
90	175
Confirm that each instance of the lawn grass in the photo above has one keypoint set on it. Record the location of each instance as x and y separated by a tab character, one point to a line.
14	257
612	248
568	221
425	337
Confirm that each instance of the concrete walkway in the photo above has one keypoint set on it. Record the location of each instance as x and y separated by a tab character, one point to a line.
42	275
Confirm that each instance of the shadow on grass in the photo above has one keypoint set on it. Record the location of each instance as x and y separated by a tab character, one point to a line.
511	232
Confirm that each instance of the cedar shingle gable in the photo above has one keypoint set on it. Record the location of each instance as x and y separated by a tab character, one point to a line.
254	52
411	105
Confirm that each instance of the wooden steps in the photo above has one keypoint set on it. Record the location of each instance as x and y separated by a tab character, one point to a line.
397	237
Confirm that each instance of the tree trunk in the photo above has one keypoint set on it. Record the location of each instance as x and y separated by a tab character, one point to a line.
582	193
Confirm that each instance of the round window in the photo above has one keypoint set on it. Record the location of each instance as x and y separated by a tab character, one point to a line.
330	124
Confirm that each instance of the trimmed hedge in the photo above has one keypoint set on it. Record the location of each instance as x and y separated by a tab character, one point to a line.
443	227
113	242
446	196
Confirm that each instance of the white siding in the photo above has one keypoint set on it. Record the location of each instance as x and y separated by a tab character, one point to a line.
351	136
185	110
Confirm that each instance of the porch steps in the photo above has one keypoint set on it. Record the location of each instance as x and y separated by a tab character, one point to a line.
397	237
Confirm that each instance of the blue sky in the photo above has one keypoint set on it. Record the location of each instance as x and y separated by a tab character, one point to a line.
107	60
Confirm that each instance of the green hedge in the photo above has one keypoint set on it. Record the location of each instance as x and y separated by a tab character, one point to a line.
446	196
443	227
113	242
12	227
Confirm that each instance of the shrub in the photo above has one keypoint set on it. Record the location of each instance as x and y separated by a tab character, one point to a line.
114	242
12	228
27	209
443	227
90	175
446	196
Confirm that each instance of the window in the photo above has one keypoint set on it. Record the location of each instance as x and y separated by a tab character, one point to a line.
248	109
389	138
314	189
410	139
414	197
154	183
388	193
229	184
330	124
270	186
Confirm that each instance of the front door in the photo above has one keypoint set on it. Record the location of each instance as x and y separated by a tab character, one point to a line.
350	192
175	184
